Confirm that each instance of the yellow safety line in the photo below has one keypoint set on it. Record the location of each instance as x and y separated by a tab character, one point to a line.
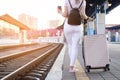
80	75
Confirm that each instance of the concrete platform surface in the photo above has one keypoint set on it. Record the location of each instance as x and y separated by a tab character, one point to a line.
60	70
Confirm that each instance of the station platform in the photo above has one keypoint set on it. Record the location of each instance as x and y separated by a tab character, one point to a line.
60	71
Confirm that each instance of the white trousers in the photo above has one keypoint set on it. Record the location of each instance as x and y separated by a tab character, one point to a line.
73	35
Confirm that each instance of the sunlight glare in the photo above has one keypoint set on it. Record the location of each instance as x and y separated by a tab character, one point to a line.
42	9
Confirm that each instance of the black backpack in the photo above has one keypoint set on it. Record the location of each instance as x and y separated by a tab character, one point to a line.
74	18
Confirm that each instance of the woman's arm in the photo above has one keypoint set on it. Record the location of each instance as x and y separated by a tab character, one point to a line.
83	7
83	12
64	13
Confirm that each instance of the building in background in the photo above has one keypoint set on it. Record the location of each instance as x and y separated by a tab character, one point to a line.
54	23
28	20
113	33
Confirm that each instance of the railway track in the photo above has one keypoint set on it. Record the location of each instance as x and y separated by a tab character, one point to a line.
19	51
12	46
18	68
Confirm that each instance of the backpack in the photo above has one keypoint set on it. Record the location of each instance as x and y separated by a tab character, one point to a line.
74	18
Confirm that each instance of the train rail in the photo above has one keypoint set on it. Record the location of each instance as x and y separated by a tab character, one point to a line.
19	51
4	48
16	68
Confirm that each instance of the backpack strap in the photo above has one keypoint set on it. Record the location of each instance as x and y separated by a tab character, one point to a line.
71	4
81	4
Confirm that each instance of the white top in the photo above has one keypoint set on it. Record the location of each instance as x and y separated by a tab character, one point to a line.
74	4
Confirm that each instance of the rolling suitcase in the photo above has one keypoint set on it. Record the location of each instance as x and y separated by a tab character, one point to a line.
95	52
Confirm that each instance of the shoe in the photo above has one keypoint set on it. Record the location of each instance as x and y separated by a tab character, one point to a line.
73	70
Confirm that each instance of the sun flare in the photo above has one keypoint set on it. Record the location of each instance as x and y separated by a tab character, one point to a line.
44	10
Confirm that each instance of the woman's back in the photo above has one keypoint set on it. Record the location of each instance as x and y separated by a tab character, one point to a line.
74	3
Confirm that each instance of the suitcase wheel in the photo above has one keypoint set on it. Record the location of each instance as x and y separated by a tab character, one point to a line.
88	68
107	68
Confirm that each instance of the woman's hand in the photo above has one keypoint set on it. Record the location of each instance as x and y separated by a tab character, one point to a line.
90	19
59	9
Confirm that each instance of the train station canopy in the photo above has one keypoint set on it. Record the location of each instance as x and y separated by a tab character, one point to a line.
117	27
92	4
13	21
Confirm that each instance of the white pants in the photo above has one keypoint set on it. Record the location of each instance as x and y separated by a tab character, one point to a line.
73	34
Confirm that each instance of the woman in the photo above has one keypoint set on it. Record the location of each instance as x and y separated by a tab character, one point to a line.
73	33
